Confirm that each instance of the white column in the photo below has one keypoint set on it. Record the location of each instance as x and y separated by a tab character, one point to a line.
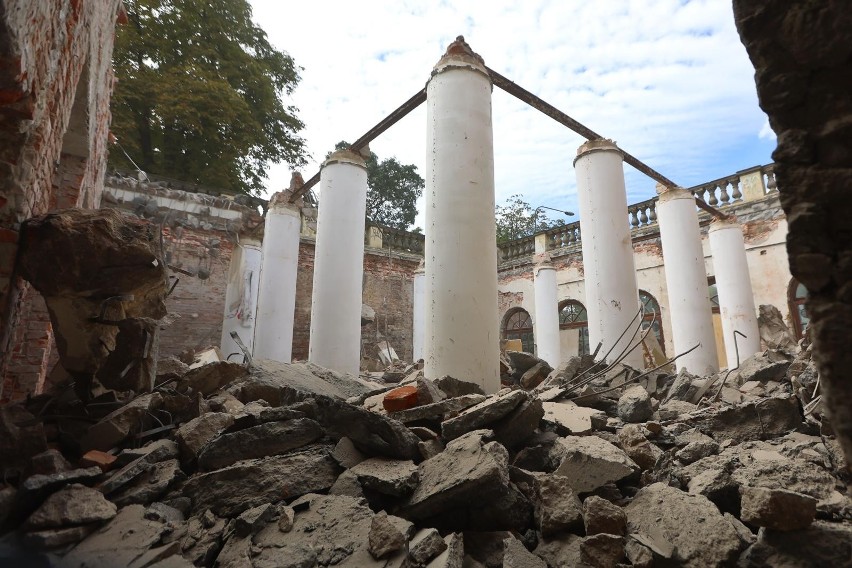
686	281
462	331
276	306
612	296
339	264
546	312
733	284
241	297
419	308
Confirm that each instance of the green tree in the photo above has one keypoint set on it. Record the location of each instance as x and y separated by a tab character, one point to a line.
517	219
199	94
392	191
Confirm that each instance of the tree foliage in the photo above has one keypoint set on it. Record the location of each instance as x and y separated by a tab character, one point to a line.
517	219
392	191
199	94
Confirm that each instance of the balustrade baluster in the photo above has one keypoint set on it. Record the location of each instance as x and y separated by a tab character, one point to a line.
653	214
723	194
634	221
712	189
643	217
736	194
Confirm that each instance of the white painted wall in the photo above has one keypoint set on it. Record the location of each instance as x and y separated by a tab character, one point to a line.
241	297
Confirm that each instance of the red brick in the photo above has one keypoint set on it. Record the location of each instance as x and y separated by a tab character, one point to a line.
400	398
101	459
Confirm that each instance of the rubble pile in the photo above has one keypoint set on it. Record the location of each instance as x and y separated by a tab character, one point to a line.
294	465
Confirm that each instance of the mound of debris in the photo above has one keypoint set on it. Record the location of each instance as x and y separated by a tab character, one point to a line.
293	465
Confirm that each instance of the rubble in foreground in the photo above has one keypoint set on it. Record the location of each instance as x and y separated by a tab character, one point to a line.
294	465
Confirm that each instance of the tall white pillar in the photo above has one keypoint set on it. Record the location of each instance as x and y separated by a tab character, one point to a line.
339	264
686	281
612	295
419	309
241	297
733	284
546	312
462	336
276	306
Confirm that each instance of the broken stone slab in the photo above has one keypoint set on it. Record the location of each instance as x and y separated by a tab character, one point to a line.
690	526
258	412
121	542
684	387
560	550
760	420
672	409
773	331
761	367
517	427
602	550
437	409
822	544
535	375
154	452
639	555
208	379
203	538
74	505
150	485
634	441
521	361
557	507
486	412
777	509
453	555
269	438
36	488
468	472
346	454
252	520
230	491
388	534
198	432
697	450
591	462
425	545
601	516
575	419
515	555
635	405
98	254
118	425
453	387
21	438
56	538
49	462
428	392
387	476
430	448
347	484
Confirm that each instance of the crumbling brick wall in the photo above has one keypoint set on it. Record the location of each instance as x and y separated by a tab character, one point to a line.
51	51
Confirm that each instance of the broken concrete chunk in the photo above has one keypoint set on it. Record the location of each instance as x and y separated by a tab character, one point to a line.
428	392
453	387
198	432
515	555
37	487
591	462
639	555
697	450
254	519
230	491
164	513
55	538
560	550
387	534
50	462
208	379
557	508
690	526
486	412
575	419
453	555
430	448
389	477
535	375
269	438
602	550
118	425
761	367
346	454
516	428
425	545
150	485
437	409
822	544
154	452
764	419
286	517
601	516
74	505
672	409
634	441
347	484
683	388
635	405
777	509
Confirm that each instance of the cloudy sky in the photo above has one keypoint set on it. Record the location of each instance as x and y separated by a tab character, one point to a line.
668	80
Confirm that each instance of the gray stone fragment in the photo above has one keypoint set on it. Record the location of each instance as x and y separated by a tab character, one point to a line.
346	454
158	451
347	484
822	544
428	392
453	387
486	412
389	477
515	555
430	448
567	415
286	518
197	433
639	555
777	509
672	409
74	505
634	441
591	462
635	405
209	378
557	507
269	438
694	451
55	538
601	516
437	409
387	534
560	550
164	513
691	525
254	519
762	367
49	462
535	375
517	427
36	488
232	490
602	550
683	388
116	426
150	485
453	555
425	545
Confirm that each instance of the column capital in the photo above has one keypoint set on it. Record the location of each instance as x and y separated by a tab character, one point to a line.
460	55
720	224
599	145
671	193
421	267
345	156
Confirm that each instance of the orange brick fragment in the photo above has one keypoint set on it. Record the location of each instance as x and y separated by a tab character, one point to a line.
96	457
400	399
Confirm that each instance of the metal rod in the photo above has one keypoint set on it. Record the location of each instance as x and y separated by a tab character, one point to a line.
710	209
391	119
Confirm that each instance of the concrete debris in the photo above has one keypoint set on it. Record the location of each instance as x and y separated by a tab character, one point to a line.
294	465
774	333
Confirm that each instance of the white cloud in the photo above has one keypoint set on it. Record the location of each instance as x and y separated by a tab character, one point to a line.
766	131
668	80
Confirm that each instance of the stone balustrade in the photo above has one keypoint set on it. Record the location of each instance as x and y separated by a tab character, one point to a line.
643	213
379	236
518	248
563	236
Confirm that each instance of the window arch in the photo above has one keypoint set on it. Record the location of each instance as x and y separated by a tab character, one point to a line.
572	315
518	325
797	297
651	313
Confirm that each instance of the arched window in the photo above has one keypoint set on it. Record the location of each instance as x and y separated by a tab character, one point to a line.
518	325
572	315
651	313
797	297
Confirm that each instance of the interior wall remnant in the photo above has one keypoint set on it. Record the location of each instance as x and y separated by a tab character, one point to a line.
802	54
